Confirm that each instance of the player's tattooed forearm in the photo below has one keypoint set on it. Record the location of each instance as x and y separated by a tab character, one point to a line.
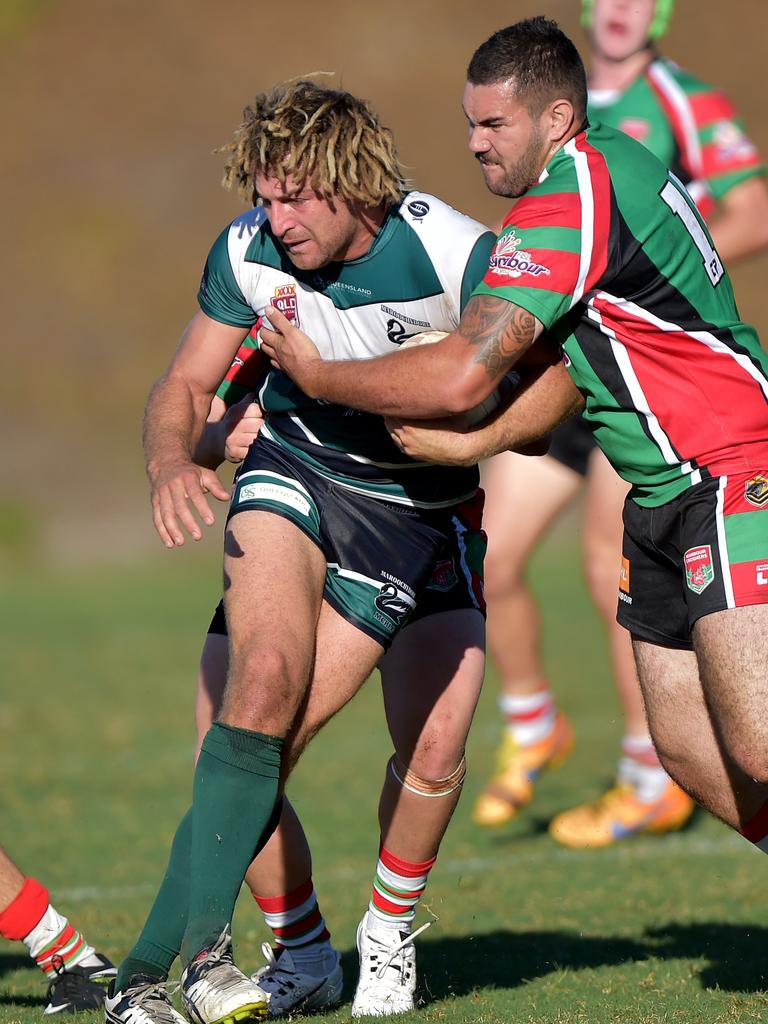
499	329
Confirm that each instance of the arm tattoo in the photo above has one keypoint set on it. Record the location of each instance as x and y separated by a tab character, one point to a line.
500	330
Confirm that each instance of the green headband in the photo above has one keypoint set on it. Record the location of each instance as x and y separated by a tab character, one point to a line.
661	16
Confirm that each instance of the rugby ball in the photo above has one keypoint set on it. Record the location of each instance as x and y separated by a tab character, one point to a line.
479	412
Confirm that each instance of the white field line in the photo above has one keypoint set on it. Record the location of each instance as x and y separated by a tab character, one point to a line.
727	845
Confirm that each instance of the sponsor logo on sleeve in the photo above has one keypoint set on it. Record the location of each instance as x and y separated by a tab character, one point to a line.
756	491
731	143
699	569
636	127
509	261
418	208
761	574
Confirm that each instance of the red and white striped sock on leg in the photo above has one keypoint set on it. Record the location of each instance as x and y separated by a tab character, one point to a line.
51	940
397	888
298	925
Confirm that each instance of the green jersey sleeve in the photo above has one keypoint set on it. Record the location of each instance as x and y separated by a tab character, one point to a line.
220	296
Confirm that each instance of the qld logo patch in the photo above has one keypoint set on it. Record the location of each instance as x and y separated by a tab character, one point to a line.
286	301
756	491
699	568
509	261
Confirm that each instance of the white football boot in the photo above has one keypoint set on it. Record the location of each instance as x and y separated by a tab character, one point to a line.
387	982
292	990
143	1001
214	991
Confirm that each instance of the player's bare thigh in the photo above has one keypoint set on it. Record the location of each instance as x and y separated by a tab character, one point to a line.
523	494
732	648
686	734
273	588
431	680
344	659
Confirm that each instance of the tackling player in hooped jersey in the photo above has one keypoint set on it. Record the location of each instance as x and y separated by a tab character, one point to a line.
693	129
605	250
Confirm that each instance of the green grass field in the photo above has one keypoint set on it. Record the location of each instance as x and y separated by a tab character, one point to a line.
98	671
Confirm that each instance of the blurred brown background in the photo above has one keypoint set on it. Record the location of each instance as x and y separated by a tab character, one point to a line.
111	198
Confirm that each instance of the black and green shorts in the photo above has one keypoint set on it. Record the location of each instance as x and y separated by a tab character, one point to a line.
387	564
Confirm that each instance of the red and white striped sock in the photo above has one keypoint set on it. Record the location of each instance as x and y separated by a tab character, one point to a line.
50	938
756	830
298	925
397	888
530	718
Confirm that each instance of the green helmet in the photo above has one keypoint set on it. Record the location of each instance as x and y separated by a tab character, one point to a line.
661	16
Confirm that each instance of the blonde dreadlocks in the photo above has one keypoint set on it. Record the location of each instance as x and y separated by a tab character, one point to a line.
326	138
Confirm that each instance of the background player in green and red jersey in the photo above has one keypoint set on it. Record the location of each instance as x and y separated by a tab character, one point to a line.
693	129
605	251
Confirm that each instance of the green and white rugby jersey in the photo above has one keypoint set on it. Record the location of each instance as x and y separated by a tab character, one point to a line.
417	276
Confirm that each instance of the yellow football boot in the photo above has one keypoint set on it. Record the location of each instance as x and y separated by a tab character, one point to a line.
619	814
517	768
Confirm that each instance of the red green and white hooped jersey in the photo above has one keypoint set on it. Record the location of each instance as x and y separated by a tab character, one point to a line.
417	276
691	127
609	252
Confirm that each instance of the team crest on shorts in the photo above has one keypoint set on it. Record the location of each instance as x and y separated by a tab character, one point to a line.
756	491
443	576
286	301
699	569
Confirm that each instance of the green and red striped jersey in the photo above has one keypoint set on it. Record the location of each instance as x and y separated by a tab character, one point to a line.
691	127
609	252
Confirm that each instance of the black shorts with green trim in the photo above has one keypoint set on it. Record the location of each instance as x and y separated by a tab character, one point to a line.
387	564
703	552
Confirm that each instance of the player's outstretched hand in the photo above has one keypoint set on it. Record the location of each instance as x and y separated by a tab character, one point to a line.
433	441
176	490
290	350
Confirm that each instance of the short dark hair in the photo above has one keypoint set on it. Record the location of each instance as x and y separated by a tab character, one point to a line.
541	60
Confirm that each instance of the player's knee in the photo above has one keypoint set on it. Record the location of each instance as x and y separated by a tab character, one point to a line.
602	577
263	690
504	574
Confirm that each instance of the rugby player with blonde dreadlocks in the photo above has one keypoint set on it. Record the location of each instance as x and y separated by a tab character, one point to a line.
335	541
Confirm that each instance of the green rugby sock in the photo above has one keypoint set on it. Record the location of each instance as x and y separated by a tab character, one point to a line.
234	794
160	939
